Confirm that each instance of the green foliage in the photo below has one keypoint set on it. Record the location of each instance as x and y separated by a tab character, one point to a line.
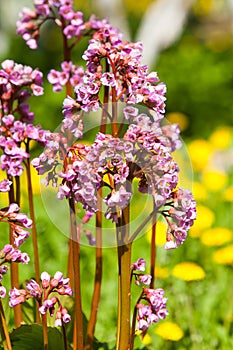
29	337
199	84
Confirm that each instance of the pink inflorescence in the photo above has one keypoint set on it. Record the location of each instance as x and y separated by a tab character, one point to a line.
144	153
70	72
17	84
47	294
129	79
14	77
151	305
10	252
137	271
18	221
153	309
61	12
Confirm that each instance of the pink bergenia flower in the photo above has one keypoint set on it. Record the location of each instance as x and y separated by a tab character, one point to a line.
47	294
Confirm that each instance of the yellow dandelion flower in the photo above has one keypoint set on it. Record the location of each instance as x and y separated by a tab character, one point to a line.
204	220
216	236
200	152
215	181
169	330
178	118
188	271
199	191
161	272
138	332
146	339
228	194
224	255
161	228
221	137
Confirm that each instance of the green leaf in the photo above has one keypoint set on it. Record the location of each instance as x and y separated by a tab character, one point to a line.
28	337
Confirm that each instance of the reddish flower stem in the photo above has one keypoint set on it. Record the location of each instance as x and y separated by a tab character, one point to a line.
124	261
98	279
74	230
34	230
153	252
74	244
45	331
70	263
114	114
99	259
14	269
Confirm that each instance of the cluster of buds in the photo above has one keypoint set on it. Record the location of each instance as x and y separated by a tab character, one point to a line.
153	307
47	294
137	271
17	84
17	221
61	12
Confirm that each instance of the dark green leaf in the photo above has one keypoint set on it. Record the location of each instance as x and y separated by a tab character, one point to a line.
28	337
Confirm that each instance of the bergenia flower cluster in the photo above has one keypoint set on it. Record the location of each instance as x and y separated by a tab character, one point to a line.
151	305
17	221
61	12
10	252
47	295
144	153
129	79
17	84
137	269
180	216
153	309
70	72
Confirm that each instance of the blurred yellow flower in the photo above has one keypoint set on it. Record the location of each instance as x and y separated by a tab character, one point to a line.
205	219
203	7
4	196
200	152
146	339
23	185
228	194
199	191
221	137
215	181
188	271
178	118
216	236
161	272
161	228
36	182
141	6
224	255
169	331
219	40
